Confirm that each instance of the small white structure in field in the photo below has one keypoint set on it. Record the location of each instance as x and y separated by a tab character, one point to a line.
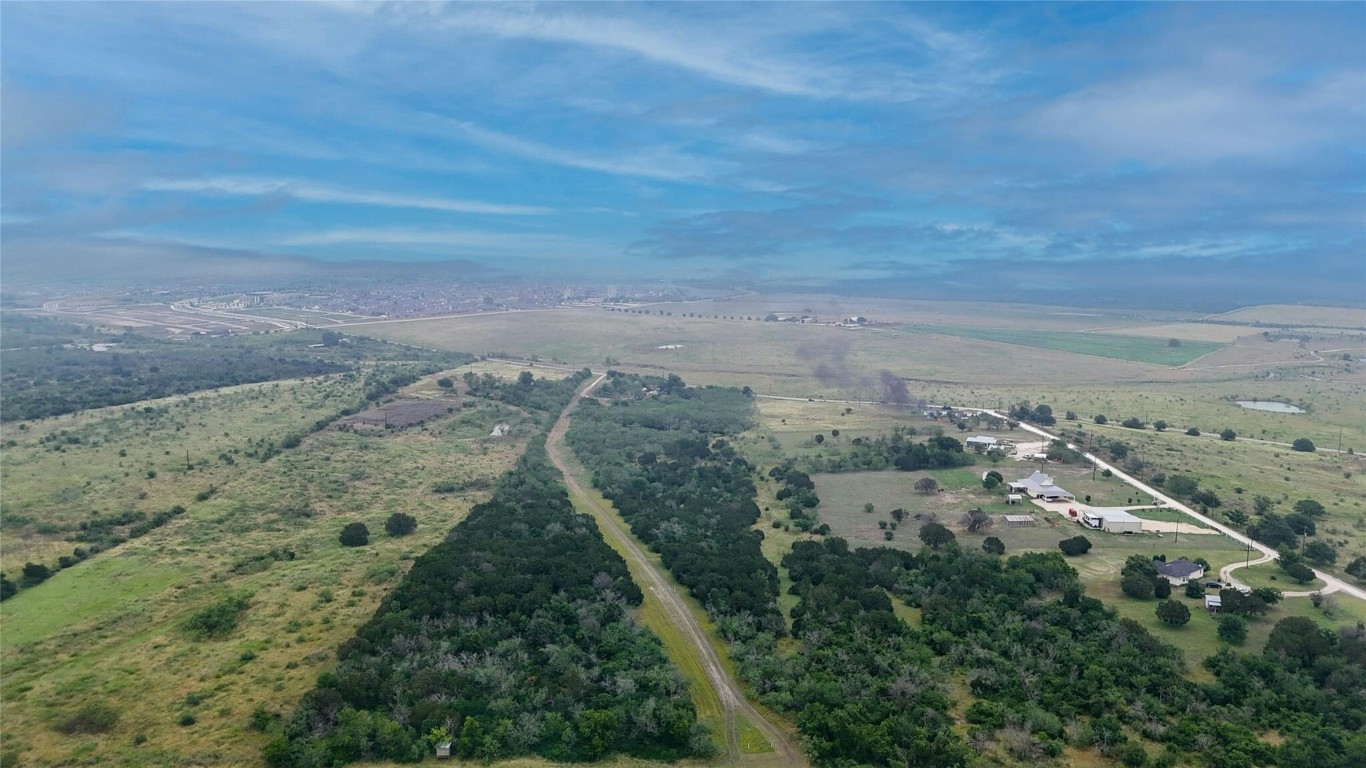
502	430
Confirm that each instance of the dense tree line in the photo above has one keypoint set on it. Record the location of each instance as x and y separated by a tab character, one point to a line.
1048	668
1038	414
663	460
51	380
548	396
896	450
511	637
57	380
862	688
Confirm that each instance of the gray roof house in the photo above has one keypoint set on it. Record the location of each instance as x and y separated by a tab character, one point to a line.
1179	572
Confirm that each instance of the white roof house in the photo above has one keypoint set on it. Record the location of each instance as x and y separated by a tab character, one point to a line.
1040	486
1111	520
984	441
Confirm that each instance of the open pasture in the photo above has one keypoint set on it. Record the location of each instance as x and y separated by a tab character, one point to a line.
109	629
828	308
844	495
1295	314
1191	331
773	358
1210	406
1143	349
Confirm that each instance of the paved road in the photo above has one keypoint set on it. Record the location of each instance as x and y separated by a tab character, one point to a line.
729	692
1331	582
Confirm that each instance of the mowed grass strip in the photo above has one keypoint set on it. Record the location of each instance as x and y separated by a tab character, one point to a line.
98	587
1139	349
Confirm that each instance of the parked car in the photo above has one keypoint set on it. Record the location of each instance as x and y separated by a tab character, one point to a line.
1214	585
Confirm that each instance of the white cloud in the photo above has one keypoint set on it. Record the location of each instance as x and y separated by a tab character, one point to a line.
1224	108
319	193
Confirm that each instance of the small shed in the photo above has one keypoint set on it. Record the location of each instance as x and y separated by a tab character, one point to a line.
1213	603
1019	521
443	750
1014	498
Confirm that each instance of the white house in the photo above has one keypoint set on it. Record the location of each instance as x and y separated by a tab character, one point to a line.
1040	486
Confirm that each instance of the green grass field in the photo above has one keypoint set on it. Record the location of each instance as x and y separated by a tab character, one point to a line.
1134	348
107	630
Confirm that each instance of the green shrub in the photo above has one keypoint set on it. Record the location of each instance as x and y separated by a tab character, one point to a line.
216	619
355	535
92	717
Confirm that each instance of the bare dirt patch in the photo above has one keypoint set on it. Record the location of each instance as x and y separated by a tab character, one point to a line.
400	413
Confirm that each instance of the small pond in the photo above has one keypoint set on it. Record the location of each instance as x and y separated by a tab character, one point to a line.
1270	405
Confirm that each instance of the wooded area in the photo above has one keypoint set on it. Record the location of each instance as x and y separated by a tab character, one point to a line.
512	637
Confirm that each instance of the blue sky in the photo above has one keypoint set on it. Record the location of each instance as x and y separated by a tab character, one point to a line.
855	141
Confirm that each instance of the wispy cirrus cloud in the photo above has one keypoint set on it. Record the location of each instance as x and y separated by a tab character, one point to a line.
660	163
480	240
322	193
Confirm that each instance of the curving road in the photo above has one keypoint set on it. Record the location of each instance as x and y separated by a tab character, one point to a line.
729	692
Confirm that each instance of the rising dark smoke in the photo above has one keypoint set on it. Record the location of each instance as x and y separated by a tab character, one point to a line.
831	368
894	390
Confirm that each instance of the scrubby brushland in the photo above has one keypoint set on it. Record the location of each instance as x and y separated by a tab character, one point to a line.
58	375
37	507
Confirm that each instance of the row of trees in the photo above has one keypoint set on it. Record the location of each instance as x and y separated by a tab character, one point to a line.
665	463
897	450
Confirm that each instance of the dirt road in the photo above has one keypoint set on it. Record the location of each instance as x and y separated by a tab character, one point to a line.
729	692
